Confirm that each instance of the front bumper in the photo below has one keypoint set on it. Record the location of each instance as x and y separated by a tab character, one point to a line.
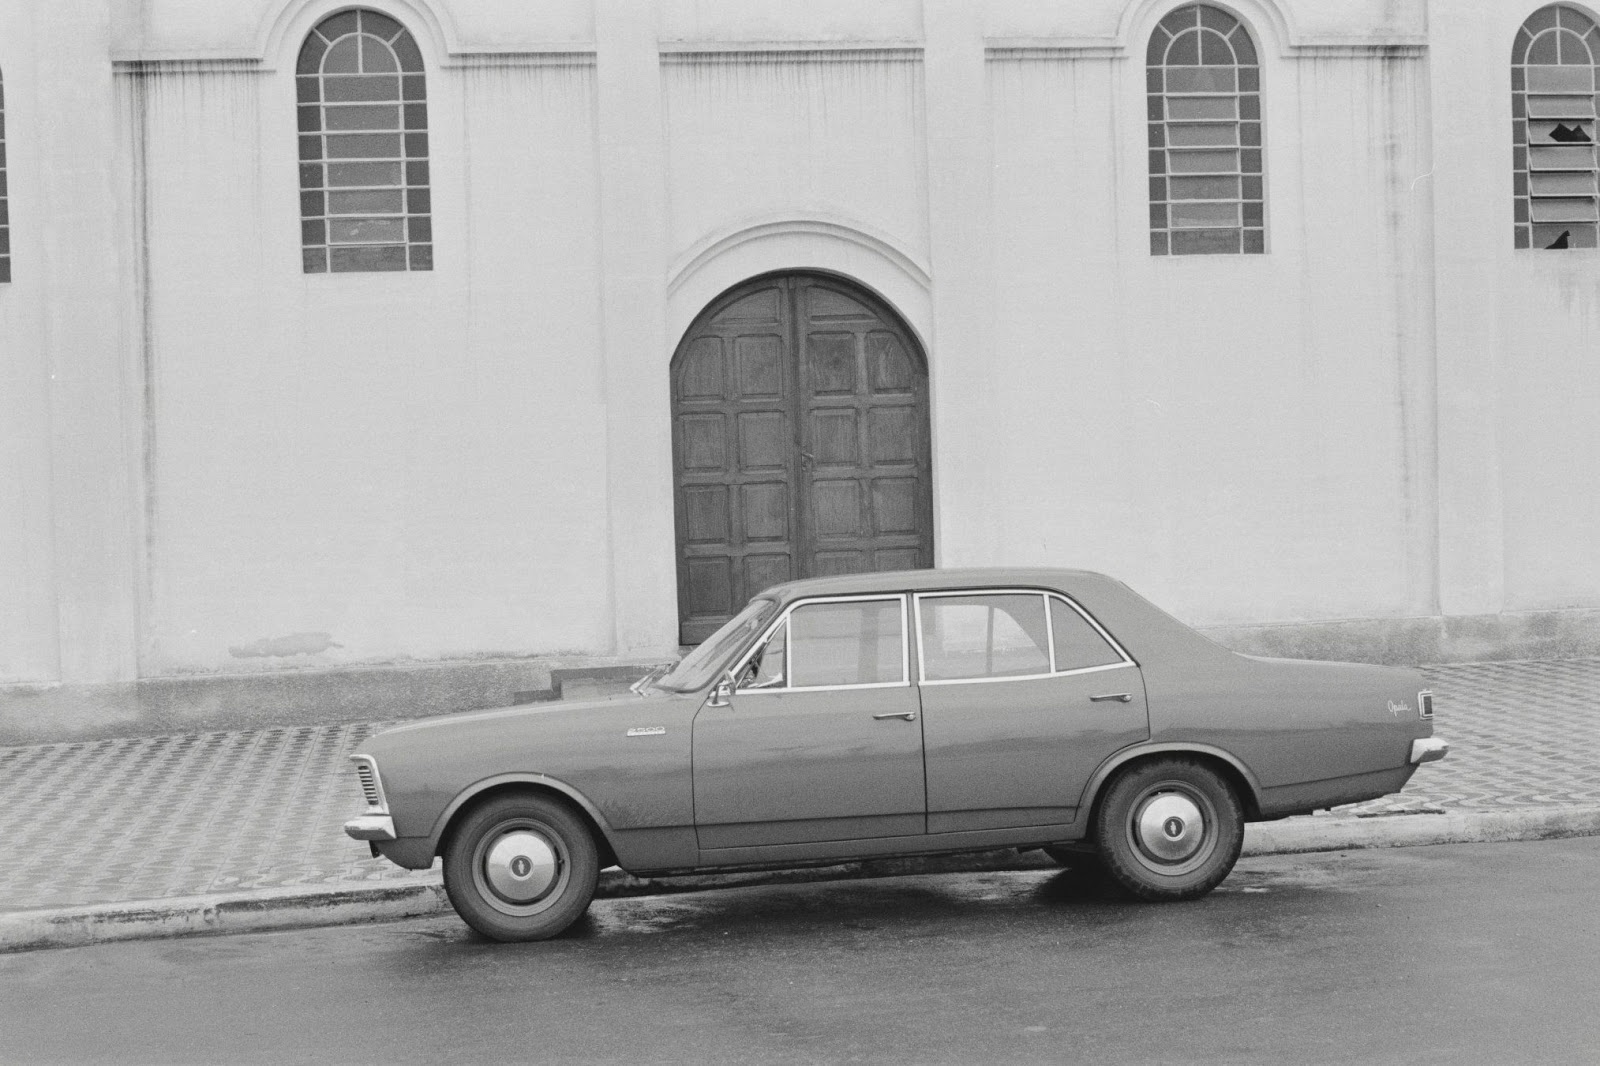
370	827
1428	749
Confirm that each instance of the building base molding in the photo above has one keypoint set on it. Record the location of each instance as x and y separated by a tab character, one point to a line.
51	713
1561	634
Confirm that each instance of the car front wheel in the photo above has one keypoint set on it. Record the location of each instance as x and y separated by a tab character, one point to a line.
1170	829
521	867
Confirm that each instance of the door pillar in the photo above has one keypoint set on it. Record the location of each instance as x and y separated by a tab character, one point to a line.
961	364
633	252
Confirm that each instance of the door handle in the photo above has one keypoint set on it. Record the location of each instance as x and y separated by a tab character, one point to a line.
910	716
1120	697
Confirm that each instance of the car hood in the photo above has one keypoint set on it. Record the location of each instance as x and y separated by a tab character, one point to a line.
551	711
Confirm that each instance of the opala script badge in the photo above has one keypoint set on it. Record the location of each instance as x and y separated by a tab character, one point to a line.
647	730
1396	708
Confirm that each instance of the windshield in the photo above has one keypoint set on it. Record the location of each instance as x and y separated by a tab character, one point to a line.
697	668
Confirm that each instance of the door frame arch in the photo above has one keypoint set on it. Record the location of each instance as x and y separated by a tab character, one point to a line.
843	248
803	474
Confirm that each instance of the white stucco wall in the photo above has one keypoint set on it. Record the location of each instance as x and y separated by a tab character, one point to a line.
1519	342
214	463
68	535
374	467
1233	435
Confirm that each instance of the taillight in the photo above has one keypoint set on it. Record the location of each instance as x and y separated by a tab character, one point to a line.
1425	703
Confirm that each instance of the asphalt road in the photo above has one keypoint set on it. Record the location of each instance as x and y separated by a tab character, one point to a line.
1461	954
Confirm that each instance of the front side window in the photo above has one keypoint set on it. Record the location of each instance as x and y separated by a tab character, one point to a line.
832	643
991	635
363	114
1204	107
1555	76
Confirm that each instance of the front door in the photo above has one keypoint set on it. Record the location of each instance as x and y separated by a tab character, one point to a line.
821	740
801	444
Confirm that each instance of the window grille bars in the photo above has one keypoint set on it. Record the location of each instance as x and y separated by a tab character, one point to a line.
363	120
1203	88
1555	76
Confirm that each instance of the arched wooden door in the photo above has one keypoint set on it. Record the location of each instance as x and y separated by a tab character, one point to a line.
800	441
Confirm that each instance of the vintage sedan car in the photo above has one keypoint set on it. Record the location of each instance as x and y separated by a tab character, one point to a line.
926	711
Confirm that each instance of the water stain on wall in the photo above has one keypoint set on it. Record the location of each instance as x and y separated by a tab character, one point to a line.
280	647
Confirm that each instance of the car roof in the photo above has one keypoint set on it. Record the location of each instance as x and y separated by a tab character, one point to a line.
928	580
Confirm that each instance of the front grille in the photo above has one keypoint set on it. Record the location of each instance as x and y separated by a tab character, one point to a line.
1425	704
369	784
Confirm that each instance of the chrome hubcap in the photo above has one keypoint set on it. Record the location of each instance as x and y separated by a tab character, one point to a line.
521	866
1170	827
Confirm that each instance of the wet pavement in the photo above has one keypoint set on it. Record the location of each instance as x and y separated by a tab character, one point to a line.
1449	954
160	817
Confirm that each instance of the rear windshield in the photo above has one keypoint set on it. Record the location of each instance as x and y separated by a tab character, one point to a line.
695	670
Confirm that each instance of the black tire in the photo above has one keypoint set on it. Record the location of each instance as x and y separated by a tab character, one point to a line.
520	866
1148	834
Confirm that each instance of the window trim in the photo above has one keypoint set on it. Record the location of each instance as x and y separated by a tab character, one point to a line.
1050	636
1525	228
1163	238
415	213
788	650
7	230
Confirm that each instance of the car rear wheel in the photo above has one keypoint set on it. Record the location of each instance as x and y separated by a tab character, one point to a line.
1169	829
521	867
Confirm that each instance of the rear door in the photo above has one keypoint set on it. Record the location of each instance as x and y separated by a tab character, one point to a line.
1023	696
821	739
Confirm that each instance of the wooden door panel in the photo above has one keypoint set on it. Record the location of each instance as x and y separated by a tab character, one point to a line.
701	374
835	437
764	511
835	509
892	433
733	438
705	442
800	442
897	558
710	587
766	442
865	437
828	563
763	366
764	571
891	369
705	515
894	505
831	364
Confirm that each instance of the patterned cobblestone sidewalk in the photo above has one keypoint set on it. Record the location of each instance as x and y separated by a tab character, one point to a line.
159	817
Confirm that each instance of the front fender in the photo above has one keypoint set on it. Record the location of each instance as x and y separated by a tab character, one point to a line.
477	788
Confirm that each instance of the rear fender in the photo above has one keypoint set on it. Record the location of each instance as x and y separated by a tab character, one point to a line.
1097	783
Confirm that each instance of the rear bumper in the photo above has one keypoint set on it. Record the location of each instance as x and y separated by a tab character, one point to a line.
370	827
1428	749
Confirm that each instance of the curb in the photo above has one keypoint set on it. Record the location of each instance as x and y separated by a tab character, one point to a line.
265	910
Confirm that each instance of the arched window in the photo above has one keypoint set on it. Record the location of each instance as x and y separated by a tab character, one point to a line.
5	206
1554	66
1204	100
363	147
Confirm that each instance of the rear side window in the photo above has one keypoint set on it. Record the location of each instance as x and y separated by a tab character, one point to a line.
988	635
1078	644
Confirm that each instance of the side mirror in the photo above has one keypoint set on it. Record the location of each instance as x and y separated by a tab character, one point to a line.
722	694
